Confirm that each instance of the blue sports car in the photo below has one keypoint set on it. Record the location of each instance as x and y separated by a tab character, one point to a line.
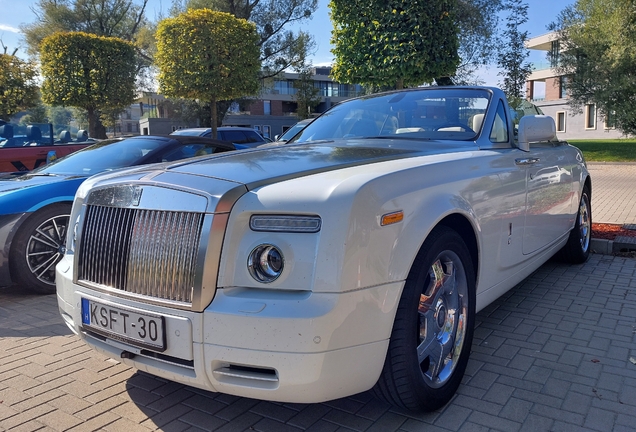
35	207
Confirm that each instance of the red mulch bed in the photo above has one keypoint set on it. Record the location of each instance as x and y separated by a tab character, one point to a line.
610	231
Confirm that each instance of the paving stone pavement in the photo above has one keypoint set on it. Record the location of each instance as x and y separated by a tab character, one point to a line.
613	192
556	353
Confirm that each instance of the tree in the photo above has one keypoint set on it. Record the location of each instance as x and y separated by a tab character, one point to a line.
109	118
60	117
87	71
597	40
207	55
307	96
477	22
36	114
18	86
124	19
280	48
379	42
513	54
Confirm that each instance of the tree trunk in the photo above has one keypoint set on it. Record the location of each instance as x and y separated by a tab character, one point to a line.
95	127
399	85
213	118
90	112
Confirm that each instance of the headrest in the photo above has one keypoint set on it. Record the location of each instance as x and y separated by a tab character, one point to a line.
478	119
6	131
65	136
82	135
33	132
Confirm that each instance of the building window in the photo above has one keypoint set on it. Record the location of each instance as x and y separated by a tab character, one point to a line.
234	108
563	87
610	120
590	116
266	131
267	107
560	121
554	53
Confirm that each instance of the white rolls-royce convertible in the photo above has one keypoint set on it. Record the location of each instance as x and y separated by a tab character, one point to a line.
353	257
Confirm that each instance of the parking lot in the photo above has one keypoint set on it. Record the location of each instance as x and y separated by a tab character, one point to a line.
556	353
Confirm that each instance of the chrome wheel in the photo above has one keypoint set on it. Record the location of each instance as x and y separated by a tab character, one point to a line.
45	248
584	223
443	310
434	325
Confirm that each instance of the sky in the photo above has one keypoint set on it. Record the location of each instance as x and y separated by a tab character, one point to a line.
13	13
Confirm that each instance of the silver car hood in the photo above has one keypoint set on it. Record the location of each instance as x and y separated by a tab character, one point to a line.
224	177
256	167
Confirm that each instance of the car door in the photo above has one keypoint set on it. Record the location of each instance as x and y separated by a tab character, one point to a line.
549	195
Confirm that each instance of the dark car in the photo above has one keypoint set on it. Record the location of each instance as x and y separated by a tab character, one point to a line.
35	207
242	137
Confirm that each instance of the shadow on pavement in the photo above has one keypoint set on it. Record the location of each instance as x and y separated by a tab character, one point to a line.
24	314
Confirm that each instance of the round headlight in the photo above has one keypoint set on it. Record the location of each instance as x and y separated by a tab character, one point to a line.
265	263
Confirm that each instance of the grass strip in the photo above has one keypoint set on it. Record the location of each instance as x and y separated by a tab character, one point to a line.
609	150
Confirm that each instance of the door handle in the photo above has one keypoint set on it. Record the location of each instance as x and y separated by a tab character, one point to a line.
526	161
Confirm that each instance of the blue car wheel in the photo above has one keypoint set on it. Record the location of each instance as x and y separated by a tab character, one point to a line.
39	246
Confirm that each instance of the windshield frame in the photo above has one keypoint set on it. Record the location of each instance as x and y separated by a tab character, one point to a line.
410	113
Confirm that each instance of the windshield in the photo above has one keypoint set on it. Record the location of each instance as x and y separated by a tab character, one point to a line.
190	132
431	113
289	133
106	155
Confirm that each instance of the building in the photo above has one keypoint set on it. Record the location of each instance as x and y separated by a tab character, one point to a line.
148	104
275	109
549	91
272	113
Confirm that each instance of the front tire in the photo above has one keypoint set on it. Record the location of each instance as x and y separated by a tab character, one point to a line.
39	246
433	330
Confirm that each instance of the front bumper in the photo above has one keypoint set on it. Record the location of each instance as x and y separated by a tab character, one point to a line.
265	344
9	225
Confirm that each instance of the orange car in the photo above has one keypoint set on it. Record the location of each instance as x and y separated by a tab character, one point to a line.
23	148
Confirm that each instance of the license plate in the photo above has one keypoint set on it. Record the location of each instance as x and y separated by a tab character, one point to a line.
124	325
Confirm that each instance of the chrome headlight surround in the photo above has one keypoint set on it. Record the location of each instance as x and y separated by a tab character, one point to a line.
266	263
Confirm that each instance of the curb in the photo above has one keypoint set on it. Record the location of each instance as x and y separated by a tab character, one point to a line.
608	247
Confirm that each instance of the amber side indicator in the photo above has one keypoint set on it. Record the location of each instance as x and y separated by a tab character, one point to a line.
392	218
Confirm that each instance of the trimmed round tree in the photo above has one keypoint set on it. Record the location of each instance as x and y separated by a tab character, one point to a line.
18	86
207	55
393	43
86	71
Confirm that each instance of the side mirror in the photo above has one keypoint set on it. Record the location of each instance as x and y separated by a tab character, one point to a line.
535	128
51	156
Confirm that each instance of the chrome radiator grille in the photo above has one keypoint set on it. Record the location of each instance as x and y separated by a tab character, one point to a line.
143	252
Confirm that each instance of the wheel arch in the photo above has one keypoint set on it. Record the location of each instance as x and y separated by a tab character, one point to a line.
460	224
588	184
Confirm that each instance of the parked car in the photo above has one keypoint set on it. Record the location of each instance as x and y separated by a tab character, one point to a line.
34	208
354	257
242	137
289	133
25	147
